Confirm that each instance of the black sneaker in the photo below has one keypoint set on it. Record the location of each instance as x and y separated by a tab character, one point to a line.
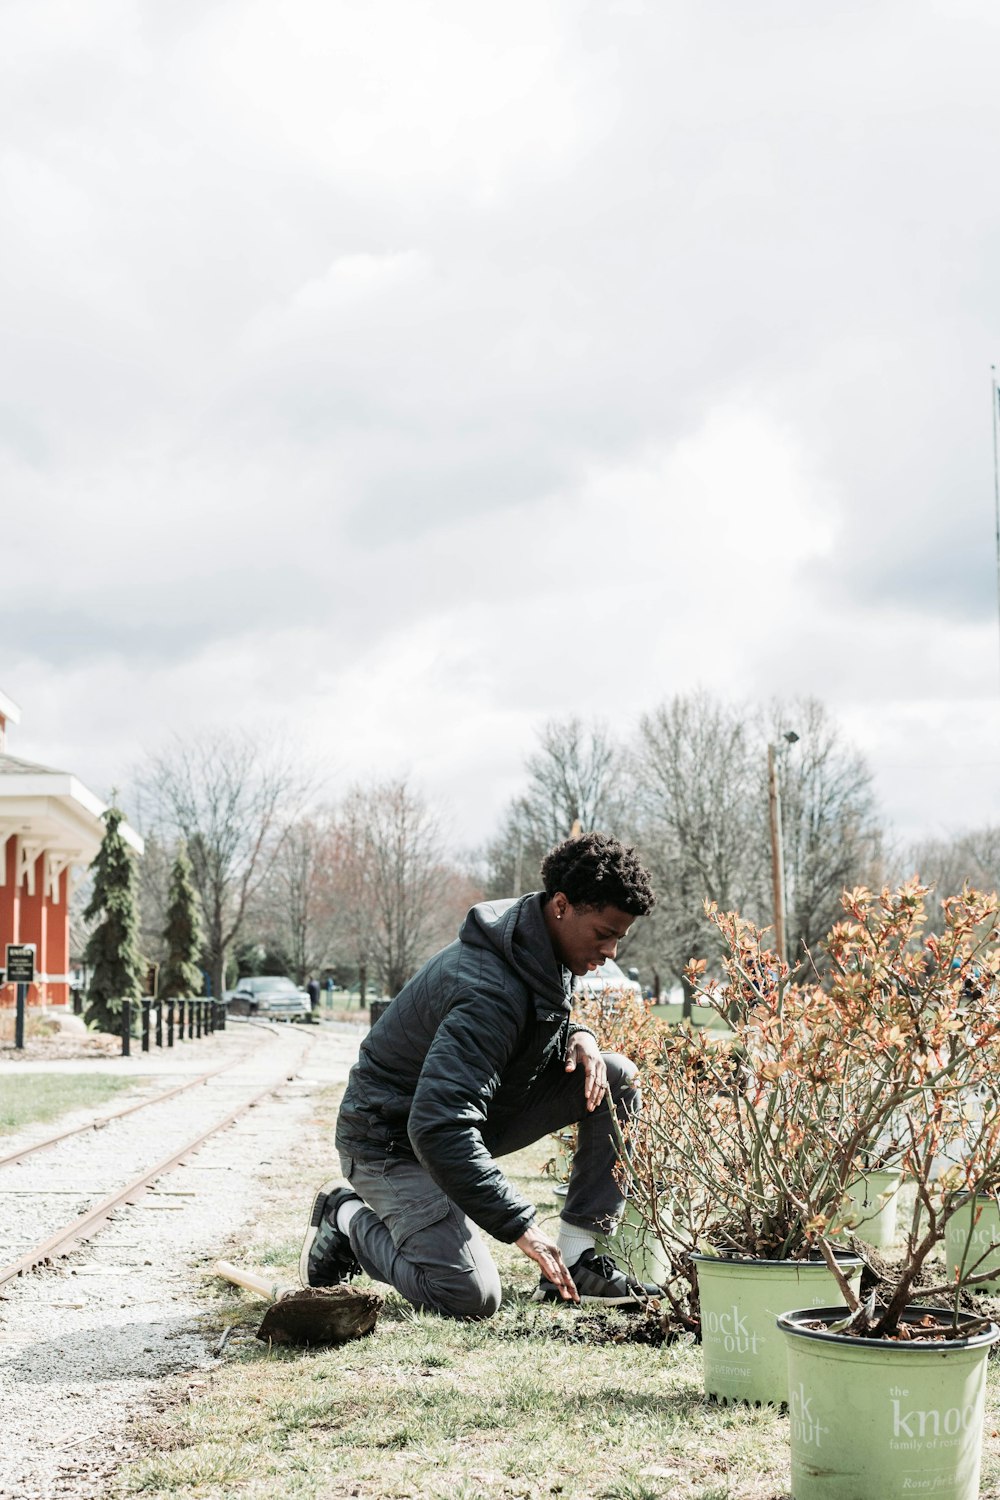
598	1279
327	1258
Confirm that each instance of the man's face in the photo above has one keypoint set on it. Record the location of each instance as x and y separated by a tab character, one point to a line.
584	936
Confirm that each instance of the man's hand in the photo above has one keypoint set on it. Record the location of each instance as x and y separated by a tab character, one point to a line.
535	1243
584	1049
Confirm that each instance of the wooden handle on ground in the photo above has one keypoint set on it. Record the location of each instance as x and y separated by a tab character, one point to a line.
249	1281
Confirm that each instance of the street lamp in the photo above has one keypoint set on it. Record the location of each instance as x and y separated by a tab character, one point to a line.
777	848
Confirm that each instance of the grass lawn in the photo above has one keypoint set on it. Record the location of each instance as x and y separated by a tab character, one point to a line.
540	1401
44	1096
703	1015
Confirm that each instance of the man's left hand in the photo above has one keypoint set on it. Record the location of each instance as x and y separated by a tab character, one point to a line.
584	1051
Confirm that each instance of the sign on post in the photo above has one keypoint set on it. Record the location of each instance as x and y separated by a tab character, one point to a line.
20	971
20	963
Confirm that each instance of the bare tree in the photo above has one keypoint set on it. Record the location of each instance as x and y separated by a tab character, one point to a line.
700	769
232	805
392	881
154	886
573	779
697	790
355	920
295	909
831	834
971	858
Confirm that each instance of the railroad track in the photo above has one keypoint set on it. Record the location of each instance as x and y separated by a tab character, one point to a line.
98	1121
100	1170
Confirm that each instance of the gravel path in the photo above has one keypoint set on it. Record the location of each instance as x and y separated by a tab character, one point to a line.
87	1345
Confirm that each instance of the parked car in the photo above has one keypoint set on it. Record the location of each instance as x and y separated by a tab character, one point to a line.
606	981
271	995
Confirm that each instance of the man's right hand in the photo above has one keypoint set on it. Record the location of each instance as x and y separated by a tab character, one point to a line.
548	1256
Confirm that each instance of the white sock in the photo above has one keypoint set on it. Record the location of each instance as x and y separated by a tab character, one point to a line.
346	1212
573	1241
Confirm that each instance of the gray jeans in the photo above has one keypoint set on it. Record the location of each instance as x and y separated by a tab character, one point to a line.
414	1237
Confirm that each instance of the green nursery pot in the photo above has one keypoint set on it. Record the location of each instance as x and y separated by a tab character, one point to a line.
875	1419
744	1356
875	1195
634	1246
968	1235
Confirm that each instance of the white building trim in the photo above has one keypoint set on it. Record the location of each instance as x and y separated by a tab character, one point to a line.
9	710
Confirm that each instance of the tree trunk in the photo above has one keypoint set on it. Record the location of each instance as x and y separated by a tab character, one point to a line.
688	990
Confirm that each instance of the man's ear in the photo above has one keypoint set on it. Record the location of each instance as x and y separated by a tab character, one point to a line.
560	905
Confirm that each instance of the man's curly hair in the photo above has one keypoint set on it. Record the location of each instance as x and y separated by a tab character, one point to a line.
596	870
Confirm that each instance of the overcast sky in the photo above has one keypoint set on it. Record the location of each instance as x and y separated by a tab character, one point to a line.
404	374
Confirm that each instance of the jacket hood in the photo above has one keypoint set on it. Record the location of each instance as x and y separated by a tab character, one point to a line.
516	930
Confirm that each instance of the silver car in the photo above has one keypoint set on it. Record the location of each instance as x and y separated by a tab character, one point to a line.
606	982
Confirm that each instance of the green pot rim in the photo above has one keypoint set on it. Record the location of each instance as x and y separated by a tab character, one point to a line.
845	1258
786	1322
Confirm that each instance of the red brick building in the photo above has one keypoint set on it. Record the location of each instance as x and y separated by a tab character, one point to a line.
50	825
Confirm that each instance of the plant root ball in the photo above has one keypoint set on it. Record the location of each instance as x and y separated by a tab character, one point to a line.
321	1315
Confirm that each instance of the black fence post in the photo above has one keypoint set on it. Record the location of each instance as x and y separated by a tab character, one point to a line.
190	1010
145	1024
22	997
170	1023
222	1014
126	1028
159	1023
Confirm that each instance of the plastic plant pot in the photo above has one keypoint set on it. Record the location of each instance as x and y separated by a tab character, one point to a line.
744	1355
879	1419
635	1248
876	1197
970	1232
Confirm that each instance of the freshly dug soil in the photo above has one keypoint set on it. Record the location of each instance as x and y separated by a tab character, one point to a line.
652	1325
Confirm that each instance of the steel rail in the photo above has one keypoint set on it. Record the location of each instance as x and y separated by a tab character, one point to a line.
100	1121
64	1238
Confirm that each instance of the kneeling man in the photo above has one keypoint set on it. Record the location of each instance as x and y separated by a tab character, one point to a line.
479	1056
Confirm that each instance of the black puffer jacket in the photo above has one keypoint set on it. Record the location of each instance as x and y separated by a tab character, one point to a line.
462	1043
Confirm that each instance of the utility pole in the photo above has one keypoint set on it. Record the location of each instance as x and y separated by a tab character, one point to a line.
777	841
994	400
777	855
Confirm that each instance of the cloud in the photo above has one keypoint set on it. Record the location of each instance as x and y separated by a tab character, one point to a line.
413	374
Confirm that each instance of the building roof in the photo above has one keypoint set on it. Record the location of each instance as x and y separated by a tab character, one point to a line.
12	765
52	806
